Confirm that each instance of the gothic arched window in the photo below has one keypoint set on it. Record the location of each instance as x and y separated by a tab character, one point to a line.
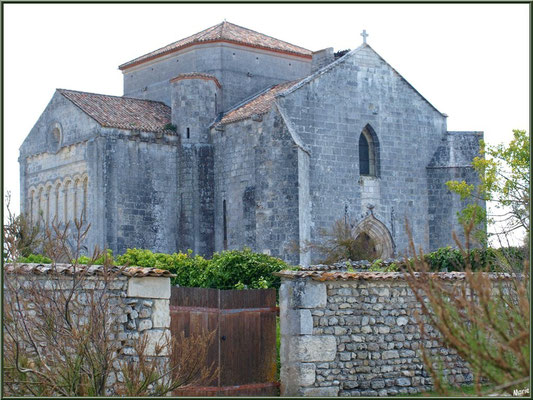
368	152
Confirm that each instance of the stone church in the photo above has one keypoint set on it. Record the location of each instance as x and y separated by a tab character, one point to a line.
231	138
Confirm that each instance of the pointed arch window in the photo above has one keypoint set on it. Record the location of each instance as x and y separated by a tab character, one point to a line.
368	152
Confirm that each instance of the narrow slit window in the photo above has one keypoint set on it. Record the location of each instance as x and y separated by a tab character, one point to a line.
224	225
85	187
364	157
188	133
368	152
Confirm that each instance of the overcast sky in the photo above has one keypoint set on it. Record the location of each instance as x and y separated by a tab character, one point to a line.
471	61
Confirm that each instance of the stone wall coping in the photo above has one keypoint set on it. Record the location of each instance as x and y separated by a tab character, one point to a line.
92	270
196	75
353	276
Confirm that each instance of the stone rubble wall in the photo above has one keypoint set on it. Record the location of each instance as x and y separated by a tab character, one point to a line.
138	306
355	338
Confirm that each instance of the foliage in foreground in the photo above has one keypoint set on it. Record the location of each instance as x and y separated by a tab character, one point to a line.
504	181
59	337
486	320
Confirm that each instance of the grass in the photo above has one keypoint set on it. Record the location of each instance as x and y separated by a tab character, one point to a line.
463	391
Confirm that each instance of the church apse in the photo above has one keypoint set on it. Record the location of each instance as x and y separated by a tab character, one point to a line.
195	156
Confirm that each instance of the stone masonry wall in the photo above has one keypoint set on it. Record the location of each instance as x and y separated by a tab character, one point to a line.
355	337
138	305
242	71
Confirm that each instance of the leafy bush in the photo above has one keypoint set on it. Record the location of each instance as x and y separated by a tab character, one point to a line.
239	269
379	266
100	260
448	259
190	270
34	259
235	269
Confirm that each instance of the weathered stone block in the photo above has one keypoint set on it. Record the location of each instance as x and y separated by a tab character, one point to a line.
161	313
321	391
390	354
313	348
308	294
307	374
145	313
402	321
157	342
149	287
144	324
377	384
403	382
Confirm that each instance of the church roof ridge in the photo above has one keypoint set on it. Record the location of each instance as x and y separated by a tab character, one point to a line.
224	32
320	72
121	112
344	58
108	95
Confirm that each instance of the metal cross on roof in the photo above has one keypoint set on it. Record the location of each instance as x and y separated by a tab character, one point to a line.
364	35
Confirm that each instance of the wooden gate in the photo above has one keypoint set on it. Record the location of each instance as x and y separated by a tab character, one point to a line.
245	345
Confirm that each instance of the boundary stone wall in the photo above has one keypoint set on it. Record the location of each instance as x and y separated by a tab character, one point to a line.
355	334
139	301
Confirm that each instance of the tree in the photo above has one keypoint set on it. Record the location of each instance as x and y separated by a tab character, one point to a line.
22	237
60	331
504	182
485	317
338	244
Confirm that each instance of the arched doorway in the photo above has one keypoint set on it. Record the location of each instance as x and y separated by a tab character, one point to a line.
375	236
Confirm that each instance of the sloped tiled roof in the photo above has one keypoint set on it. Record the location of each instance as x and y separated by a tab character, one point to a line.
93	270
258	105
121	112
225	32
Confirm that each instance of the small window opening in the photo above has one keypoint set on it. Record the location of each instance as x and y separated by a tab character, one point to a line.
188	133
367	154
364	159
224	225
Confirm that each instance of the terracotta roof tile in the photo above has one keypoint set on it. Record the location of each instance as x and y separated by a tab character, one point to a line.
350	276
258	105
93	270
122	112
196	75
225	32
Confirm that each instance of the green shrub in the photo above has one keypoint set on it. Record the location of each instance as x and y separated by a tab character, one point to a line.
189	270
234	269
448	259
239	269
34	259
84	260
